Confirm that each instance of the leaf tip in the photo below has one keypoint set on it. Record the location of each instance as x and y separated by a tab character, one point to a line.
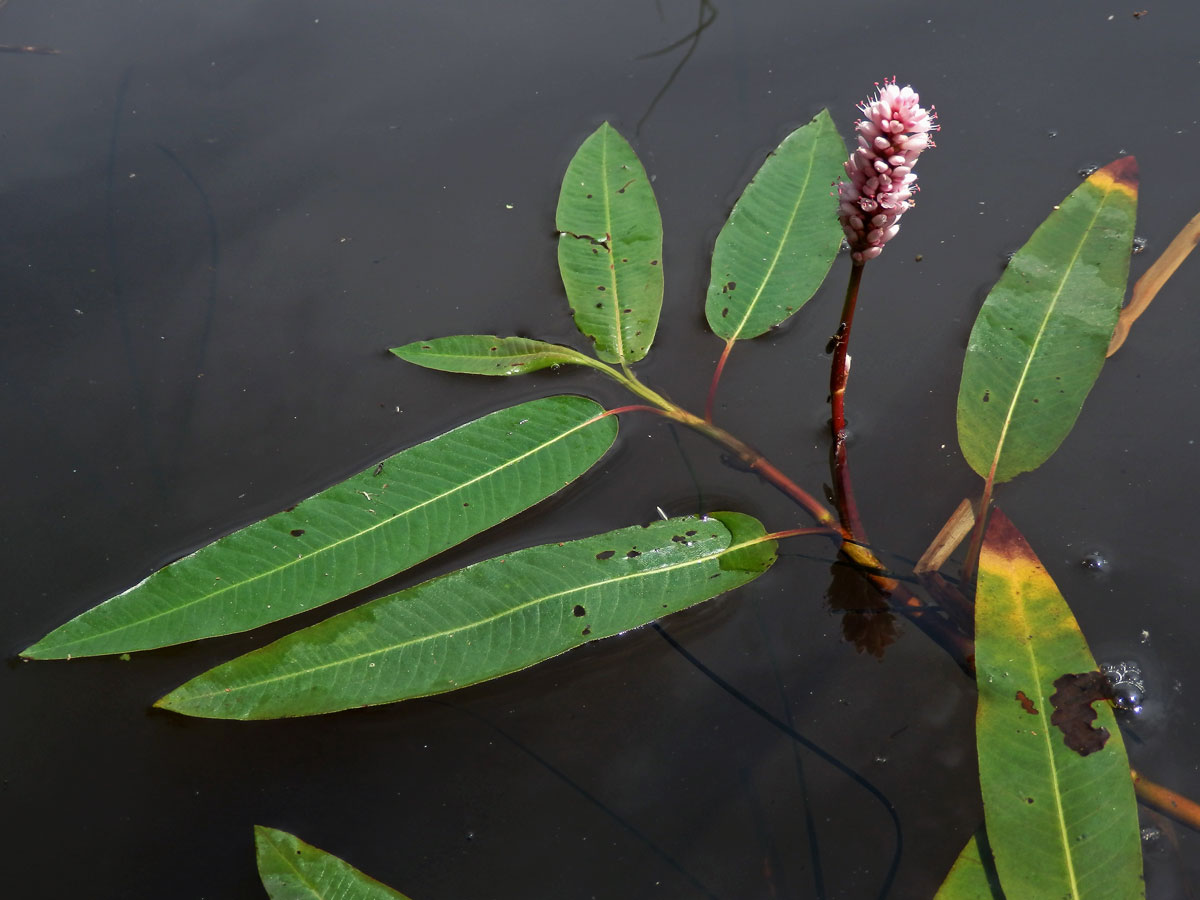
1002	540
1120	174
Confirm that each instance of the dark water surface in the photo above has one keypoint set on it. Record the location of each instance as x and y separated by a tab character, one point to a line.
217	216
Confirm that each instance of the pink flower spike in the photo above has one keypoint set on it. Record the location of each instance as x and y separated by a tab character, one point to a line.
893	133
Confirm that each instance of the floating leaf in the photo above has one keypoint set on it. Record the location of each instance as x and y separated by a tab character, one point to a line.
379	522
610	247
973	876
293	870
1061	823
487	620
486	354
781	237
1041	336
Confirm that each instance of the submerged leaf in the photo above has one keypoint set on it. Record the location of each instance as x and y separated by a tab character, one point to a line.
293	870
486	354
1040	339
408	508
487	620
610	247
781	237
1061	823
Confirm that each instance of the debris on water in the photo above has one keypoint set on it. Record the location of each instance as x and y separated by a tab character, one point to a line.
1052	133
1151	833
1095	562
1139	244
1127	684
1088	170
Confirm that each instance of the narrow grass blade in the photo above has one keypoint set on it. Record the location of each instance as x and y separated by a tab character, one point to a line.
610	247
293	870
1040	339
379	522
1062	822
484	621
781	237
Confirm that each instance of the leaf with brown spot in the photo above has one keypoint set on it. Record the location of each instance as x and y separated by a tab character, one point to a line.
1060	824
1073	712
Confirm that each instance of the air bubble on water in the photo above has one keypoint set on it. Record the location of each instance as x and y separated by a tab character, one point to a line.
1139	244
1151	833
1052	133
1088	170
1095	562
1127	684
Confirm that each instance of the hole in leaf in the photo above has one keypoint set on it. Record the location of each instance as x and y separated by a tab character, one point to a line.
606	554
579	611
296	532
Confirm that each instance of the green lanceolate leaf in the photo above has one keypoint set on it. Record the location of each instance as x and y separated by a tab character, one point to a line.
486	620
1041	336
610	247
486	354
973	876
293	870
1060	823
782	236
379	522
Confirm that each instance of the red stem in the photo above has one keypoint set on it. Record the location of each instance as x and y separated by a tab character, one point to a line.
839	372
959	646
971	563
712	388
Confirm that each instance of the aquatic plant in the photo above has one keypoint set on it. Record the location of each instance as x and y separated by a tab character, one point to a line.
1055	781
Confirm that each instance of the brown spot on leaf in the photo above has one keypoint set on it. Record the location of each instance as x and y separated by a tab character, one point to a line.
1123	171
586	631
296	532
1073	713
633	554
1026	703
987	395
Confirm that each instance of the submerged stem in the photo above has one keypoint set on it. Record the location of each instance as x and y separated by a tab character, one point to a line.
712	388
851	546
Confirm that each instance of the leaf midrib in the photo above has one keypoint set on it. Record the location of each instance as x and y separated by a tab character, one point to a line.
301	875
1011	411
1046	733
473	625
95	636
615	297
783	240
